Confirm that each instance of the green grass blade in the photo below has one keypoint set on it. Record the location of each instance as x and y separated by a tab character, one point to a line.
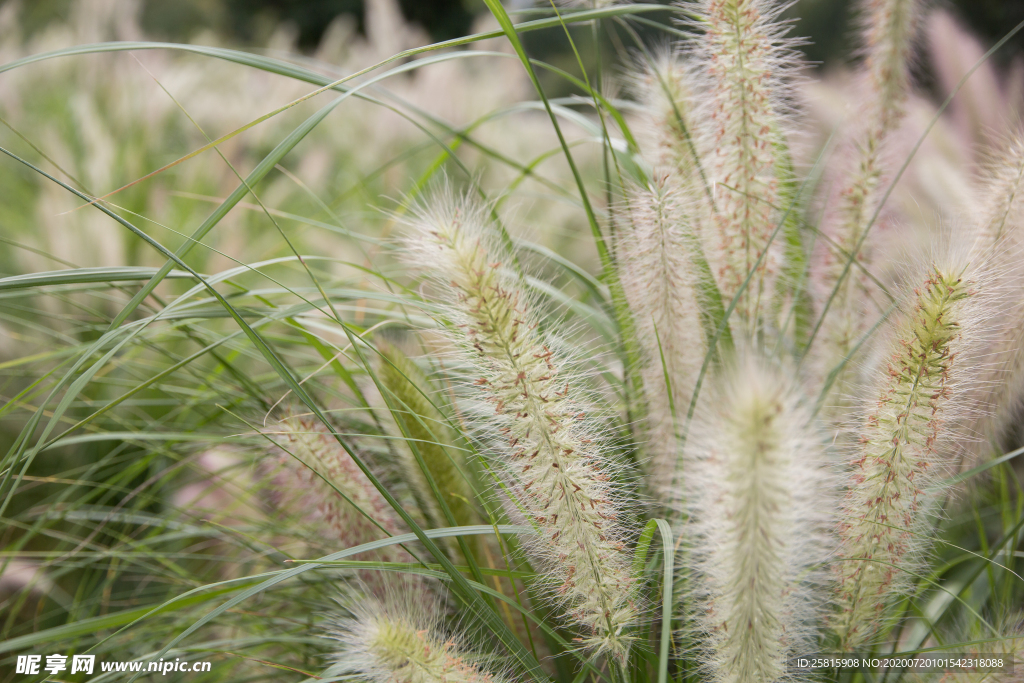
258	173
84	275
667	592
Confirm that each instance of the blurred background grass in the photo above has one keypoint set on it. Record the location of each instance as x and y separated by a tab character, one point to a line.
826	23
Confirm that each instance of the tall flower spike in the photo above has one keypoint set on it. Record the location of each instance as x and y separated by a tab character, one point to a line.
890	29
548	445
903	448
390	642
656	275
999	241
744	60
888	34
664	87
300	488
758	497
1002	215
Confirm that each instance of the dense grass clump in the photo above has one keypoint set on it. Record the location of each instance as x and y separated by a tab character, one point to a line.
384	365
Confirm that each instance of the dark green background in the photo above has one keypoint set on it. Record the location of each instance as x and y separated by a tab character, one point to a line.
826	23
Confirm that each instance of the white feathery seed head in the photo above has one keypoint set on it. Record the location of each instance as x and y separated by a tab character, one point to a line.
664	86
999	243
311	476
546	440
397	640
759	500
1001	219
854	300
745	66
890	31
657	276
305	438
924	392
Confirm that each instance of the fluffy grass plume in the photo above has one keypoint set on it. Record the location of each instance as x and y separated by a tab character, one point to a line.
998	240
759	500
889	28
665	86
745	66
394	641
315	480
904	446
657	278
1002	197
548	449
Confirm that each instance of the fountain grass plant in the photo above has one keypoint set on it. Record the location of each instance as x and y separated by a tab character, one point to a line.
720	421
